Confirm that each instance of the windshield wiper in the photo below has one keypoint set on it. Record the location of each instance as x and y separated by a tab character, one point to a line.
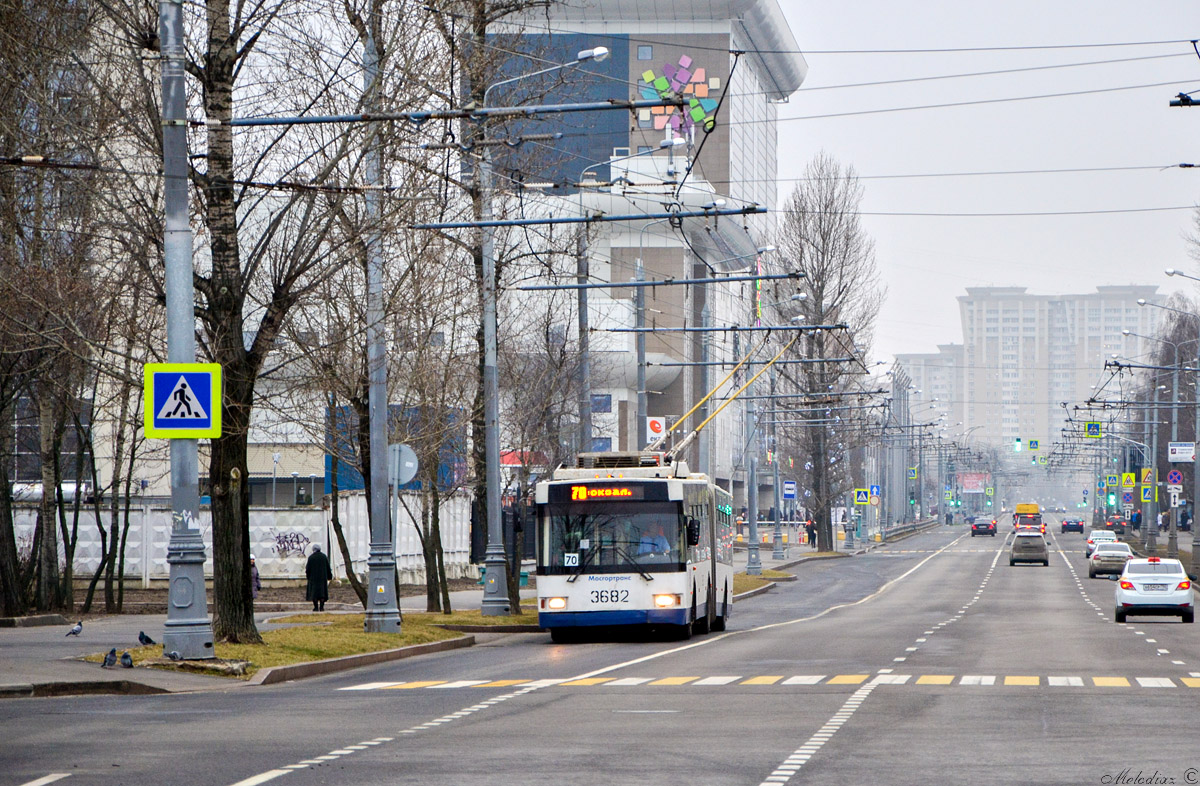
582	564
620	551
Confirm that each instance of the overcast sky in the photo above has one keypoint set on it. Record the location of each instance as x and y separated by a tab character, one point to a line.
927	261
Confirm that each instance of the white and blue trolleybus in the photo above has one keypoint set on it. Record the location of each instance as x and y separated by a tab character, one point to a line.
633	539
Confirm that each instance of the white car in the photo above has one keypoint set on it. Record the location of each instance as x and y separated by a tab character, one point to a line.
1154	586
1098	536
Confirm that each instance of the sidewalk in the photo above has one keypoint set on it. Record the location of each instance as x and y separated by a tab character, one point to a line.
44	659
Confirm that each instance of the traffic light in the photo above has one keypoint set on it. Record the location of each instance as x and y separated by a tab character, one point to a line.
912	498
989	503
1112	500
1017	445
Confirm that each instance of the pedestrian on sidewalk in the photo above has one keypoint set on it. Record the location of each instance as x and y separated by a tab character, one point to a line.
319	574
810	532
255	584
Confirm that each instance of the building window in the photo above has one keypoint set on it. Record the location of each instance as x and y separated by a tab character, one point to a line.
645	52
601	402
644	149
601	444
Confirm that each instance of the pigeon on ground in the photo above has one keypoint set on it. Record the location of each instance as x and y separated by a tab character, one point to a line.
145	640
110	659
75	631
173	655
126	661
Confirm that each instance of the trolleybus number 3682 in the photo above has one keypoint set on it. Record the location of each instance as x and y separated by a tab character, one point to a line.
610	596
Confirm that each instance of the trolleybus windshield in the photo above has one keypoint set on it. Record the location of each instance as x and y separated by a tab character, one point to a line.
612	537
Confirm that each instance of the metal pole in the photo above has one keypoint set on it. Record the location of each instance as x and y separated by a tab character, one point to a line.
777	550
640	345
704	441
1152	543
753	559
585	370
495	587
383	611
1196	460
188	630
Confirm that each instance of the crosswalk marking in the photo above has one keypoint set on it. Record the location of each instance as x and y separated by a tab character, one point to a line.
1065	682
411	685
891	679
736	681
975	679
1014	680
935	679
716	680
674	681
1155	682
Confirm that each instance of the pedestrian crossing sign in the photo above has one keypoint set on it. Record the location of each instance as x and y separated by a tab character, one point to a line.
1147	493
1092	429
1128	480
182	400
1112	481
861	497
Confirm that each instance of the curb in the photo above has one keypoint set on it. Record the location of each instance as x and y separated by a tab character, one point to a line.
299	671
33	621
43	690
757	591
493	628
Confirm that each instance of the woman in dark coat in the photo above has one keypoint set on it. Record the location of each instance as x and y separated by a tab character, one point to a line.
319	574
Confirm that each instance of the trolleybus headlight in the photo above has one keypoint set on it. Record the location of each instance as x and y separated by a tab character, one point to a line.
556	604
666	601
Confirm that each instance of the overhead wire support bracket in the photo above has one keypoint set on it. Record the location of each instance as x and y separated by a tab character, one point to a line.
659	283
529	222
417	118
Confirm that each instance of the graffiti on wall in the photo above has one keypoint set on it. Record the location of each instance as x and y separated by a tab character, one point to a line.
290	543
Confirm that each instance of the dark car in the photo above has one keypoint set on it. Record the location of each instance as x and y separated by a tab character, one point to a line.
1115	524
1029	546
1072	525
983	527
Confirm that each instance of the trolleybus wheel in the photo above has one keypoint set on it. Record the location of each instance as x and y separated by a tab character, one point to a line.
720	622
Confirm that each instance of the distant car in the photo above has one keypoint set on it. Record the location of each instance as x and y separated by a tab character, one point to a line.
1096	537
1072	525
1029	546
1115	524
1108	558
983	527
1154	586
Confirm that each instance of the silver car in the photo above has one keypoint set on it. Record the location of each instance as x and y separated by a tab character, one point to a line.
1029	546
1108	558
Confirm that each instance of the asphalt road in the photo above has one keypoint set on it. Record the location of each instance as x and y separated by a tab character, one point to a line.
926	661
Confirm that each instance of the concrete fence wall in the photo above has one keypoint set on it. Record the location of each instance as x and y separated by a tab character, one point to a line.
280	539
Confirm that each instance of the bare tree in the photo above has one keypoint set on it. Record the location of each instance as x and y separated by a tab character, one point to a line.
821	235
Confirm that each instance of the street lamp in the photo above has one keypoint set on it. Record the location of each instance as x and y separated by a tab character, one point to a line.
495	591
274	472
295	475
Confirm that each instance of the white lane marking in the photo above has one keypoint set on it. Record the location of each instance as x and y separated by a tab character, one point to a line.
885	671
1151	641
797	759
1177	662
1065	682
263	777
644	712
621	683
804	679
51	778
1164	652
460	684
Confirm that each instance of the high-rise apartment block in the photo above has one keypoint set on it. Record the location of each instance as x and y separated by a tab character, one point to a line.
1024	356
